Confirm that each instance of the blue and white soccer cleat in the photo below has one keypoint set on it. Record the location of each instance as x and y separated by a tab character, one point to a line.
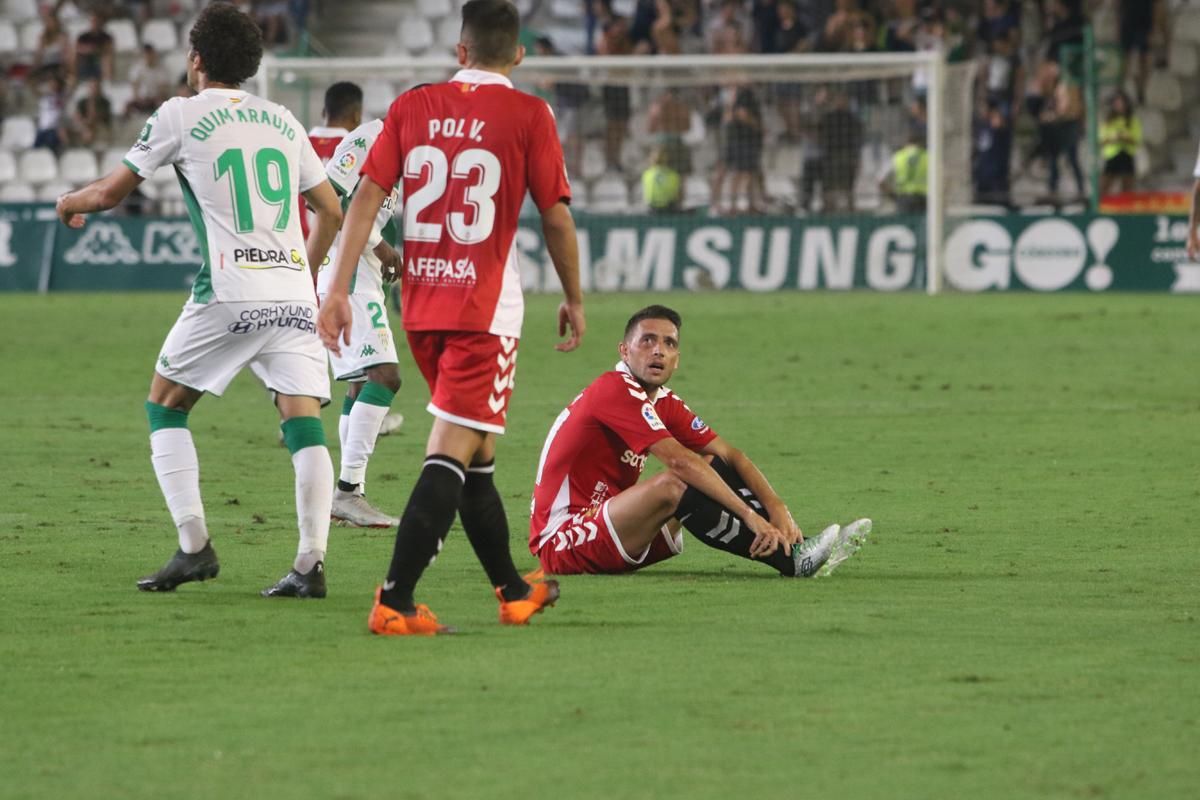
851	538
811	554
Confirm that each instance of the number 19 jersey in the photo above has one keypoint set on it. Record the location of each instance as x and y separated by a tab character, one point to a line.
467	152
241	162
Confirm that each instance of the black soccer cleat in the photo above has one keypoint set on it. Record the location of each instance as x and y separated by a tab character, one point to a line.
183	568
296	584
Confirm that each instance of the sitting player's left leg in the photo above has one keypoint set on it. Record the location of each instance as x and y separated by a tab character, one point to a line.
359	431
305	439
712	524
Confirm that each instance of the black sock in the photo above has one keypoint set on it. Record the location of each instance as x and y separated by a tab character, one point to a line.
717	527
347	487
423	527
483	519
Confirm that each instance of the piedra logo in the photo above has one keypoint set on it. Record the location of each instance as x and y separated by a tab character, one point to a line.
1049	255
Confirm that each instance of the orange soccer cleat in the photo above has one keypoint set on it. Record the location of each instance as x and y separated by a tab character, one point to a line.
387	621
517	612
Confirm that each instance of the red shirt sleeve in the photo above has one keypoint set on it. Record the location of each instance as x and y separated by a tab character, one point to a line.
616	407
547	172
386	159
691	431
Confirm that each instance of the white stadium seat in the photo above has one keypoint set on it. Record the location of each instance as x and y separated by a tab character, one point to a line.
416	34
1164	91
20	10
593	161
377	96
119	95
16	192
49	192
449	31
696	192
8	167
10	41
435	9
38	166
75	27
609	195
17	133
111	159
78	166
124	34
31	33
161	34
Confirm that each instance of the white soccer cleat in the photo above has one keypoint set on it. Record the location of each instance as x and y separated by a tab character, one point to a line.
391	423
851	538
353	509
811	554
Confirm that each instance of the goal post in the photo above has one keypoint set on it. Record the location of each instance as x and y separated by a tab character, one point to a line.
798	171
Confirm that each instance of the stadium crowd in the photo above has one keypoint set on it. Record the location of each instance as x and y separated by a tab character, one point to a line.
87	73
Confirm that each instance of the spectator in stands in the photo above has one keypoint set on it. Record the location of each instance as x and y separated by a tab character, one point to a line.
789	34
730	15
567	100
597	15
900	29
662	187
617	105
53	50
906	179
838	35
1003	75
676	29
1061	122
52	93
1000	21
1064	27
272	17
1136	22
840	139
1120	137
669	118
93	56
993	153
742	151
150	81
91	121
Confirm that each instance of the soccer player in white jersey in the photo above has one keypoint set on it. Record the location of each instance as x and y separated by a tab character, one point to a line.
241	161
591	514
369	362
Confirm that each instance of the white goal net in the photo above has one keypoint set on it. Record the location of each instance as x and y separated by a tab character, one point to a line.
752	172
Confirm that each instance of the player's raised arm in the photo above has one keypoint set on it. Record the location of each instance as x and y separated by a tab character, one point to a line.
757	483
695	471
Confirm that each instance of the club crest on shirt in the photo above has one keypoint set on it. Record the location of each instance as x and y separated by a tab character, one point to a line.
698	424
651	417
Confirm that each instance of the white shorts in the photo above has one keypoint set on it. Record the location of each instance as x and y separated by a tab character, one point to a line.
210	344
371	342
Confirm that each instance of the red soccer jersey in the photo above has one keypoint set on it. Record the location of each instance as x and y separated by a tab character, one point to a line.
597	447
468	151
324	141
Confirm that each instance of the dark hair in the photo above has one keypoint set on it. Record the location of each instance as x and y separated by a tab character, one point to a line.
342	99
1119	94
654	312
491	30
229	44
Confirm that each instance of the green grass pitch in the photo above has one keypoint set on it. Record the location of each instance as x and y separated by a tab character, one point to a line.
1023	624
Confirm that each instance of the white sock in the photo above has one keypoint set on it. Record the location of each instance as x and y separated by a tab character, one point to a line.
173	455
314	497
343	430
358	440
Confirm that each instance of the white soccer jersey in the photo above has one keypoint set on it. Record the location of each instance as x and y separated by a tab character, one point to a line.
343	170
241	161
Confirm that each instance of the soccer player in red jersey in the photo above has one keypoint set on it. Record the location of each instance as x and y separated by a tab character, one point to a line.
342	113
590	514
468	151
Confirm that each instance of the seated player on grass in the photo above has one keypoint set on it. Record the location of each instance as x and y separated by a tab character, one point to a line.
590	513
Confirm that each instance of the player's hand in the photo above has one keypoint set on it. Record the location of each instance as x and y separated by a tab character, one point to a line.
785	523
767	538
1193	244
570	316
333	322
69	219
390	261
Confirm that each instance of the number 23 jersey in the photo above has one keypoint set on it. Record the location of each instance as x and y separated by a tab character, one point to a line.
241	162
467	151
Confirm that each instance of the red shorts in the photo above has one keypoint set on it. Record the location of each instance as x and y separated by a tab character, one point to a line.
470	375
588	544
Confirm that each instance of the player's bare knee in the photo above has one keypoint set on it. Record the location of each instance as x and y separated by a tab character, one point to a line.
669	490
387	375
